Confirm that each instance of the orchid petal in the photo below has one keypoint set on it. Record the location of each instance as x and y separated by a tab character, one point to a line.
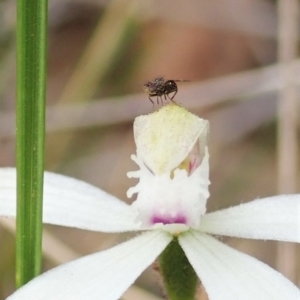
275	218
228	274
105	275
71	202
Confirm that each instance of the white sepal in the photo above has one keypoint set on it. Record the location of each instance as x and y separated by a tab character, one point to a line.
105	275
71	202
273	218
228	274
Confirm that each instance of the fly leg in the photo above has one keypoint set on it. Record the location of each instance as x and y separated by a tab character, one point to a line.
171	98
152	102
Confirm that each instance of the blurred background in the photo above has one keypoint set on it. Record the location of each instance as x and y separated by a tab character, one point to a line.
241	57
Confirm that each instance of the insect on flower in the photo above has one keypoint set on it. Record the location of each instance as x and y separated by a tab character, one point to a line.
160	87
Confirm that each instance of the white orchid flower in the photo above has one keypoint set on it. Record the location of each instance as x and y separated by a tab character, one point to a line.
172	157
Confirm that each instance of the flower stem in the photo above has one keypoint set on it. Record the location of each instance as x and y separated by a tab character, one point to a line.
31	86
180	279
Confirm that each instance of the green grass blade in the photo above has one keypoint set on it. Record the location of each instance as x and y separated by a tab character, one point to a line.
31	86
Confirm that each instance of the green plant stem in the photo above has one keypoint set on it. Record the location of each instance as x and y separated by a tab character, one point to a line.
31	86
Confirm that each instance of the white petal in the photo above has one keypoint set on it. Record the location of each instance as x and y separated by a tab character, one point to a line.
8	192
275	218
105	275
165	137
71	202
228	274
